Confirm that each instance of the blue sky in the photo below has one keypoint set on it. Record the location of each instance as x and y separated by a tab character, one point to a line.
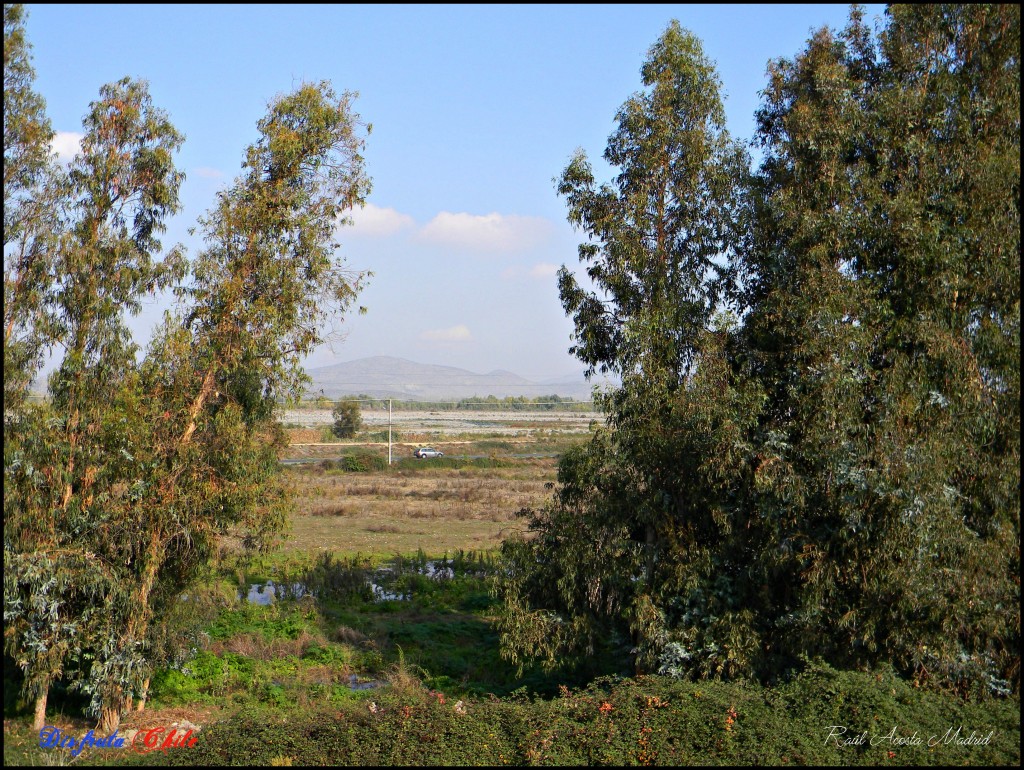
475	109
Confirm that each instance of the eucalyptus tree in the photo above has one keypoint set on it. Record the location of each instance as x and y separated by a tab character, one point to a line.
115	196
835	470
27	130
661	239
27	135
808	333
884	321
204	457
117	488
29	215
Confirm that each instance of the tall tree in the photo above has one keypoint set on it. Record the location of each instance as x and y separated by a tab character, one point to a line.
809	332
117	193
118	487
29	213
661	235
660	241
884	316
205	455
27	135
845	450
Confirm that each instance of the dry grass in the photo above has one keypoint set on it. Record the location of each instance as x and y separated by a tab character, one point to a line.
303	435
327	510
256	646
349	636
399	511
391	528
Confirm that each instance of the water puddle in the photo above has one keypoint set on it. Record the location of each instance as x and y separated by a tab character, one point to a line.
381	582
266	593
371	684
384	577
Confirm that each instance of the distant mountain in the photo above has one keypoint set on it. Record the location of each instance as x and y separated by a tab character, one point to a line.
567	379
401	379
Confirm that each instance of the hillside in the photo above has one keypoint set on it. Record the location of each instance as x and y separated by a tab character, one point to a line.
399	378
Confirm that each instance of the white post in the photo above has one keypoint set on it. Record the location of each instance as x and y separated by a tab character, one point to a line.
389	431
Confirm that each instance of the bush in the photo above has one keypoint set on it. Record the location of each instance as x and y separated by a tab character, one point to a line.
347	419
455	463
363	462
355	462
648	720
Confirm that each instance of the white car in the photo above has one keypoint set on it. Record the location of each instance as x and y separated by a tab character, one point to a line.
427	451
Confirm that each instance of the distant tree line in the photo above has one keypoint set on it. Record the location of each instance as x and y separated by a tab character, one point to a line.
508	403
815	448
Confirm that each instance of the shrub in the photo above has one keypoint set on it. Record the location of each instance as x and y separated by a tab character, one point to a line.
648	720
363	462
347	419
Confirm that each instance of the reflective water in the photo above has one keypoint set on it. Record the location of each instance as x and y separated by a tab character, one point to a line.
372	684
379	582
266	593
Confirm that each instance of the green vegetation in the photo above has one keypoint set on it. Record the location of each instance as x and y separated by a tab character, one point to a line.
794	541
118	485
617	722
356	462
815	450
329	674
429	658
347	419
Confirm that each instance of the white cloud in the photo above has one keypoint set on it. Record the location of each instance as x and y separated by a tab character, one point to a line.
458	333
543	270
209	173
375	220
66	144
490	233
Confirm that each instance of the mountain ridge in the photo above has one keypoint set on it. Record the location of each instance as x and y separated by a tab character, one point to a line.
402	379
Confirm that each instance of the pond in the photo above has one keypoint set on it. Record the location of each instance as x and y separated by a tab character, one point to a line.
265	593
379	581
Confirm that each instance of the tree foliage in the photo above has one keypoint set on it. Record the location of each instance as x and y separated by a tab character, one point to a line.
829	467
119	486
27	210
662	234
347	418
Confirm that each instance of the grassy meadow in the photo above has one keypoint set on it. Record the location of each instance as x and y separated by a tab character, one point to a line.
426	505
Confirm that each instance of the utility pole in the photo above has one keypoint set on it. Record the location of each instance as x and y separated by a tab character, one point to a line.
389	431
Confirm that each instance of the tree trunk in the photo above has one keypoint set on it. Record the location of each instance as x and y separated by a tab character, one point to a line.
141	705
204	393
40	715
110	719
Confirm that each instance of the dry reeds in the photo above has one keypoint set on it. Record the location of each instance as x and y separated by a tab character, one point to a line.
382	528
400	510
332	509
254	645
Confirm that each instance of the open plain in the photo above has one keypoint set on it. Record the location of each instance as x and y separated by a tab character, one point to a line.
505	422
402	509
349	500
